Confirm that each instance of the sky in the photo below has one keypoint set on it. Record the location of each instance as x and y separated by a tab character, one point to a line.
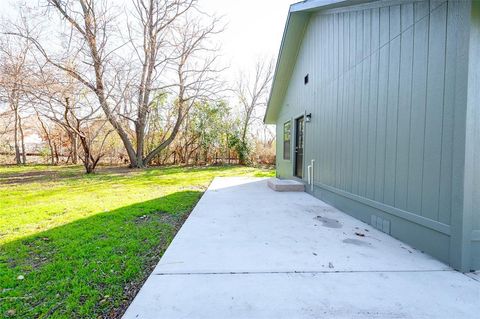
254	29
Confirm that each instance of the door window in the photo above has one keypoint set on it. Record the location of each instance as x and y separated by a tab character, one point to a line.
287	136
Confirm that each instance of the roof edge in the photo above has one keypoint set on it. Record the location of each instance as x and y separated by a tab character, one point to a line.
287	34
282	44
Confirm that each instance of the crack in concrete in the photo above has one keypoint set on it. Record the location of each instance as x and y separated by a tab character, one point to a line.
298	272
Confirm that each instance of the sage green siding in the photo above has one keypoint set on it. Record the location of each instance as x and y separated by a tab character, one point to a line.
388	95
472	154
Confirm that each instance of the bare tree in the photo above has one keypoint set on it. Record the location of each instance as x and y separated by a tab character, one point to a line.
5	122
195	74
252	92
14	71
127	82
153	18
88	129
60	99
47	136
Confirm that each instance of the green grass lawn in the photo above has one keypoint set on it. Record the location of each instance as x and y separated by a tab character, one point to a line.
79	246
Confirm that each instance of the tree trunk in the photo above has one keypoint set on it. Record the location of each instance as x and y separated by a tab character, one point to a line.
88	161
49	140
74	152
205	154
140	135
55	150
169	140
99	87
22	140
17	148
227	148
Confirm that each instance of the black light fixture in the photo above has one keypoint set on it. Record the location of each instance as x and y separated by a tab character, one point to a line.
305	80
308	117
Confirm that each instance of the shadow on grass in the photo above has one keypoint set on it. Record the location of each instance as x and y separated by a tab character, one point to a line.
66	173
47	173
92	267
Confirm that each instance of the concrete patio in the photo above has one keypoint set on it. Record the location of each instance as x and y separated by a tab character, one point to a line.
247	251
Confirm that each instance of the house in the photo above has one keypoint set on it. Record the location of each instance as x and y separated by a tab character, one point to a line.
377	109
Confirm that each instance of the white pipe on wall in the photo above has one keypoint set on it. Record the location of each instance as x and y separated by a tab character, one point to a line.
312	165
309	174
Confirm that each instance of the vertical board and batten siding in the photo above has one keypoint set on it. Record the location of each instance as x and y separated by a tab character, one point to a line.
472	147
382	97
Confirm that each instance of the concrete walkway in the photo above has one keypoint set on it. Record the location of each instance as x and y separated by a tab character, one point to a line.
249	252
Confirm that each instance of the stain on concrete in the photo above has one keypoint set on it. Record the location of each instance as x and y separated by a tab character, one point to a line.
329	222
356	242
318	209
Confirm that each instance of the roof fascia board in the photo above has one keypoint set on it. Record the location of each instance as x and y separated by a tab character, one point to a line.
319	5
299	21
314	4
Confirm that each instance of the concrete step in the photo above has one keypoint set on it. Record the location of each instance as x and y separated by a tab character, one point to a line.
285	185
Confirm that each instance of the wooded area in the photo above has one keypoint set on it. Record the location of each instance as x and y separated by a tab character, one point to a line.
139	84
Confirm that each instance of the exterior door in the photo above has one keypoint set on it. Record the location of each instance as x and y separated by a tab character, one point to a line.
299	143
